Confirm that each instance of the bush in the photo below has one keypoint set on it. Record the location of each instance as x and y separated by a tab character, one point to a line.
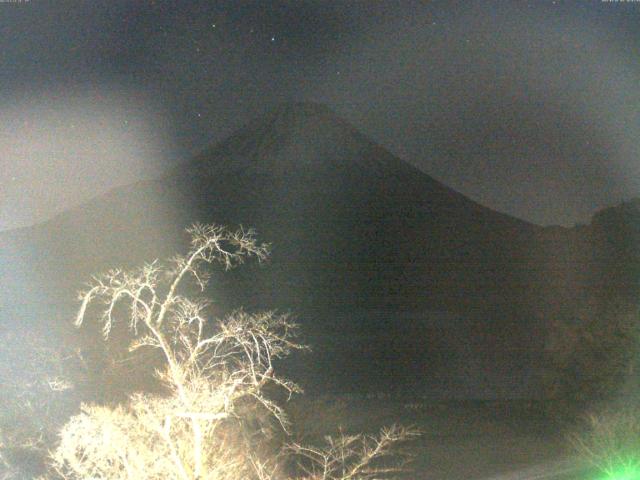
216	417
590	361
610	442
35	398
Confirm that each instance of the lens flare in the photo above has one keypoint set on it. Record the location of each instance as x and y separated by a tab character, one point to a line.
631	472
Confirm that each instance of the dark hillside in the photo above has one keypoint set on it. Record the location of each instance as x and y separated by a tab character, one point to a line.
355	232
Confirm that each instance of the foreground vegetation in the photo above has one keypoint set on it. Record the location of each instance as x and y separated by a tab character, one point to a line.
218	410
217	407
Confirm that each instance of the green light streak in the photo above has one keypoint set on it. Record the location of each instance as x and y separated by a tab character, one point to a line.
624	473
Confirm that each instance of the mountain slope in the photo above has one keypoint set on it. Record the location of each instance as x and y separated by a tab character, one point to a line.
353	228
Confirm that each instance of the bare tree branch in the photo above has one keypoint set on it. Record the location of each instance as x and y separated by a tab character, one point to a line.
217	374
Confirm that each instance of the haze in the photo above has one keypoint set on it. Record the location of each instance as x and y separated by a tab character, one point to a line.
528	108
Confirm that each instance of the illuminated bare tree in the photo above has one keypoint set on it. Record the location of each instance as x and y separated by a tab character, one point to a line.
355	457
217	378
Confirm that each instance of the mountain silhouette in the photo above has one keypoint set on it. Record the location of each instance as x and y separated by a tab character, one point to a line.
378	259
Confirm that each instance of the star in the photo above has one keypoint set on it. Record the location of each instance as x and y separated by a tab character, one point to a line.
273	39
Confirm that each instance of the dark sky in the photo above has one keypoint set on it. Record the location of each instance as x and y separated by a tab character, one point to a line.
531	108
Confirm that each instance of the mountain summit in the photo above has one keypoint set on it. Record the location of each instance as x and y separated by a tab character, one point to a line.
293	138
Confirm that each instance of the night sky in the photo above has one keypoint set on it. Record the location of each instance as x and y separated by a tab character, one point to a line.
531	108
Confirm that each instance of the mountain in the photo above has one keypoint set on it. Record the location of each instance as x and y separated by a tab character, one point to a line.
364	244
328	199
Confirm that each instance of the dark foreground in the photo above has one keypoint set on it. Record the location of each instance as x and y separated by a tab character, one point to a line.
463	440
